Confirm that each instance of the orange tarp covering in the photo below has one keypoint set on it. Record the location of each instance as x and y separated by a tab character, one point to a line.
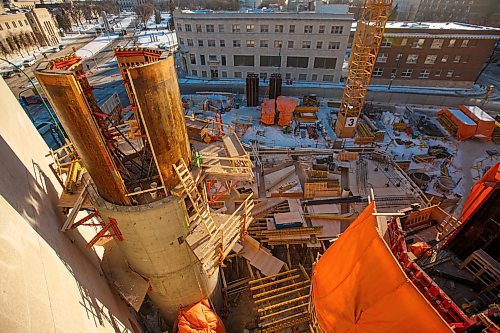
285	107
419	248
485	123
466	127
199	318
268	111
358	286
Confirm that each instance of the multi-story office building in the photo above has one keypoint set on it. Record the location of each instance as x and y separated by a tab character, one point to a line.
433	54
301	46
484	12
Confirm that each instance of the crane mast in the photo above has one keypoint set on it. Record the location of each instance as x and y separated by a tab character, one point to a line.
365	47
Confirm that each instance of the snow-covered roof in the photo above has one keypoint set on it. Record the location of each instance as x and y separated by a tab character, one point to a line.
462	116
435	26
478	112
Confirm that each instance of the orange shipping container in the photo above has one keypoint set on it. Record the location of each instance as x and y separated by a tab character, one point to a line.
466	127
358	286
485	123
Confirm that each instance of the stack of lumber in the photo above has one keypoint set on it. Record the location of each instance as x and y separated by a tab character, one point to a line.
306	114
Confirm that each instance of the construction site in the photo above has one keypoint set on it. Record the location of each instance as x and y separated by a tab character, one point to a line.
221	212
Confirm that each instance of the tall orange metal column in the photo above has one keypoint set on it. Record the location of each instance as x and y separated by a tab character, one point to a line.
365	47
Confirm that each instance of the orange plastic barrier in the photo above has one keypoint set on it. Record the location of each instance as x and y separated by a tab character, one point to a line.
485	123
358	286
286	106
199	318
268	112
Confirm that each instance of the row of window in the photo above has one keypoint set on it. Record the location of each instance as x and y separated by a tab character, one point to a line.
14	24
214	74
429	59
263	28
266	61
408	72
307	44
437	43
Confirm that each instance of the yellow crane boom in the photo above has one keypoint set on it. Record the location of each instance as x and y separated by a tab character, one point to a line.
365	47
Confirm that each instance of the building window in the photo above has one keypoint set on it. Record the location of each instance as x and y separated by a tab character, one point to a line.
444	58
449	73
204	73
333	45
291	29
278	28
407	73
222	43
382	58
297	62
211	43
290	44
288	76
270	61
179	27
26	22
243	60
236	43
223	60
237	75
264	43
20	23
190	42
250	43
210	28
212	58
221	27
306	44
465	43
437	72
337	29
437	43
308	29
188	27
7	25
250	28
200	42
457	58
326	63
14	24
1	28
377	71
424	74
412	59
236	28
224	74
194	72
385	43
452	43
198	28
264	28
321	29
328	78
404	41
278	43
418	44
319	44
192	57
302	77
314	77
430	59
202	59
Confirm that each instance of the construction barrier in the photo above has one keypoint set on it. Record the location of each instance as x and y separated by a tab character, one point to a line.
285	107
268	112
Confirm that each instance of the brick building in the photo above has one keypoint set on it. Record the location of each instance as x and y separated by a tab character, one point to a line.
433	54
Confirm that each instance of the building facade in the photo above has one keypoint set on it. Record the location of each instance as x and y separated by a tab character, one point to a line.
433	54
301	46
483	12
24	31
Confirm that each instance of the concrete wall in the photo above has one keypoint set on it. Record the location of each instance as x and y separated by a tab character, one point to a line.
48	281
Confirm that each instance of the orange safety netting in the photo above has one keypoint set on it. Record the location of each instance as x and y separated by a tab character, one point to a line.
268	112
358	286
199	318
286	106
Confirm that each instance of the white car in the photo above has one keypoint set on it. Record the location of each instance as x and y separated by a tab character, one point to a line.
28	62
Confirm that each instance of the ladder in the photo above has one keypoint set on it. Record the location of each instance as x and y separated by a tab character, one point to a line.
201	210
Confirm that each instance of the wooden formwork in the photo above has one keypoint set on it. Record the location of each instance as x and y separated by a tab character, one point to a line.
484	268
346	156
320	189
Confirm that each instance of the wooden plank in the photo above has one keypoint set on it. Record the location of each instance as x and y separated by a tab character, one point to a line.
76	208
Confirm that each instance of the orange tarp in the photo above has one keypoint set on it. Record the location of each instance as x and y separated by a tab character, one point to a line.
268	112
485	123
358	286
199	318
420	248
285	107
466	127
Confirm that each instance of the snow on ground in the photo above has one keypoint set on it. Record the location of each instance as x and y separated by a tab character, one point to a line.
155	38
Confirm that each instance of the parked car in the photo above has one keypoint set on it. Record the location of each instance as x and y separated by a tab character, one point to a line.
28	62
7	73
18	67
61	46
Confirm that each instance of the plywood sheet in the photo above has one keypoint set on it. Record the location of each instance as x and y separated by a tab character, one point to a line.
260	257
290	219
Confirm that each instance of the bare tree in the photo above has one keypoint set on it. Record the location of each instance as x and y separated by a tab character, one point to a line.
18	42
76	14
144	12
5	48
86	8
63	20
157	16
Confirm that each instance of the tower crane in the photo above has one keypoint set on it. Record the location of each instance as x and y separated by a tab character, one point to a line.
365	47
